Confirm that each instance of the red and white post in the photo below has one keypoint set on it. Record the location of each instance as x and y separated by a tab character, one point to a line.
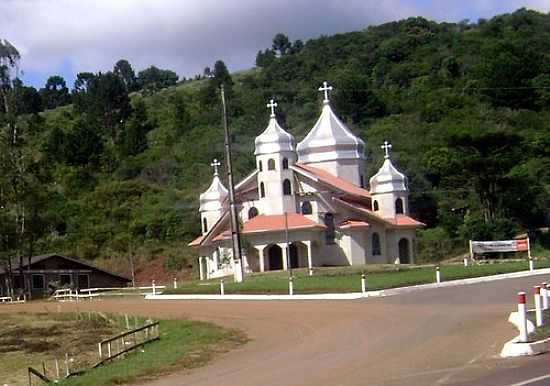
538	306
522	317
544	294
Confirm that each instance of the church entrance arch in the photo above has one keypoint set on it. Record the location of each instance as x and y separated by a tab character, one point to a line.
404	255
275	258
293	254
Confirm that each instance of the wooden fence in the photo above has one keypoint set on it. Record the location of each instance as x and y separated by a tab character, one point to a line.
69	294
108	349
127	341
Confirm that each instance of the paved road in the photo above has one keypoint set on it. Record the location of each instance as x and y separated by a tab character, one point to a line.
444	336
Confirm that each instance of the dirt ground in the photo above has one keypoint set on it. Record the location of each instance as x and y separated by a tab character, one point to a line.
434	337
33	339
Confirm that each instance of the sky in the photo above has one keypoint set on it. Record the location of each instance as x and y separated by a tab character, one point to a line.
69	36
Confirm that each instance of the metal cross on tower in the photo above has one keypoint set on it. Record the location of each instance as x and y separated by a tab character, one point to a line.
387	147
271	105
325	88
215	165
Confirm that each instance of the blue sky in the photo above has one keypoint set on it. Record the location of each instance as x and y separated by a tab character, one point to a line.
69	36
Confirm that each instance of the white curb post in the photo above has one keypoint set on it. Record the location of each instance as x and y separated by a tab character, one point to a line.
311	272
437	275
544	294
363	283
538	306
522	317
531	264
175	283
154	288
465	261
222	288
291	286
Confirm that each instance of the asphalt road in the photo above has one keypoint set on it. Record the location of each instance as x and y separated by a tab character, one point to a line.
443	336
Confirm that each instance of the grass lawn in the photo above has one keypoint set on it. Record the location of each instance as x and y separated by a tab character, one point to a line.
31	339
183	344
348	279
540	332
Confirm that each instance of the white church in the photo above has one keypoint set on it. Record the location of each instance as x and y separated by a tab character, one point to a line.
313	196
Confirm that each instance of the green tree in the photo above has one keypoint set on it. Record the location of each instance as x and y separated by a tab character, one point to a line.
124	70
281	44
55	92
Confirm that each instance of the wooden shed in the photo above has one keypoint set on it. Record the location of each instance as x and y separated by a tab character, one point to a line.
46	273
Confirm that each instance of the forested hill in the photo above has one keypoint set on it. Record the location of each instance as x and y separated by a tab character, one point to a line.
466	107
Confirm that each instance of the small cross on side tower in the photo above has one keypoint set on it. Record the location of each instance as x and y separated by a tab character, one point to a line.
387	149
271	105
215	163
325	88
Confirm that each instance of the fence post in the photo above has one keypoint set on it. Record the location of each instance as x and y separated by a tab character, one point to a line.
531	264
175	283
99	349
437	275
222	288
363	283
538	306
67	372
465	261
154	288
290	285
522	317
544	294
56	368
311	272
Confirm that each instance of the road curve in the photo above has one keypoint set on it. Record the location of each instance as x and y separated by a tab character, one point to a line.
443	336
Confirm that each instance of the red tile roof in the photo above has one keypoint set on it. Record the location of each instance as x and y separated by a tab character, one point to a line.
350	223
404	220
334	181
271	223
196	242
400	220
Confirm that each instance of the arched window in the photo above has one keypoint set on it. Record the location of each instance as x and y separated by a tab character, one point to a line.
287	188
376	250
329	232
204	225
375	206
399	206
260	165
252	212
306	207
285	163
271	164
262	190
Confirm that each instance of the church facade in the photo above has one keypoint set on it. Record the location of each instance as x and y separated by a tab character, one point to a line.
307	204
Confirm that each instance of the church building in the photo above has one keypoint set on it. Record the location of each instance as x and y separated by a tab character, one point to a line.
312	196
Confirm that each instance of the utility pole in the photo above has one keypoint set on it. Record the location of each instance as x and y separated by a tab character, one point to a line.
238	269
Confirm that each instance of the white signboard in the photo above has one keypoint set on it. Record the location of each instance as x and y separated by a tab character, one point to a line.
500	246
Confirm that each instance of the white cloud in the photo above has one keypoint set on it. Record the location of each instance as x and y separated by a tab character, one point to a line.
186	36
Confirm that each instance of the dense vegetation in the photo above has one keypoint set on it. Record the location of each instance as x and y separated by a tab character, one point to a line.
117	166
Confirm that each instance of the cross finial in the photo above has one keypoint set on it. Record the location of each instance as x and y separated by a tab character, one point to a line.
325	88
215	165
271	105
387	147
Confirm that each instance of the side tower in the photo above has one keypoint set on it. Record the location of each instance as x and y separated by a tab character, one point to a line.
388	188
275	153
211	201
331	146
